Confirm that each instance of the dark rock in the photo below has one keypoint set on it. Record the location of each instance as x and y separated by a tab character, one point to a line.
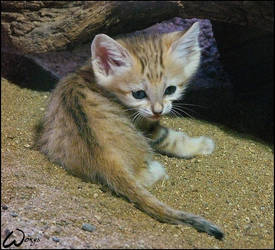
13	214
55	239
4	207
88	227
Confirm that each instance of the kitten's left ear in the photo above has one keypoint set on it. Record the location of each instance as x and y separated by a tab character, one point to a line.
109	58
187	44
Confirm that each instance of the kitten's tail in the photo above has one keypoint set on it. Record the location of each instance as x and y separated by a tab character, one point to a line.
158	210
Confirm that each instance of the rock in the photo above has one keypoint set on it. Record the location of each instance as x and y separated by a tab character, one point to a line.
43	26
4	207
13	214
88	227
54	238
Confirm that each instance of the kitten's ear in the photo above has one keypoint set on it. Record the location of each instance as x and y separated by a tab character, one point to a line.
187	44
109	58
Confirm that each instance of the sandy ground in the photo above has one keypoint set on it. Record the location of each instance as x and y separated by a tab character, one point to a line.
233	188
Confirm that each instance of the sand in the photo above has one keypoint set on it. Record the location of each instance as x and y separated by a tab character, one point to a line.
233	187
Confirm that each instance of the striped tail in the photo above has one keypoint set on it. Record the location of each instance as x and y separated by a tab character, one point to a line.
158	210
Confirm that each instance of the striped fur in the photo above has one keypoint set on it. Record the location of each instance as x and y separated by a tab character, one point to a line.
89	129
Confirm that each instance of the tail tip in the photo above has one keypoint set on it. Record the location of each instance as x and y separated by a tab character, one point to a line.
217	233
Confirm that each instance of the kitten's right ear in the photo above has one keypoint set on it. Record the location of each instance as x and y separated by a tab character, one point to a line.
186	44
109	58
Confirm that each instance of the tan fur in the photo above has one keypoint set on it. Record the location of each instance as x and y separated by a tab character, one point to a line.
88	127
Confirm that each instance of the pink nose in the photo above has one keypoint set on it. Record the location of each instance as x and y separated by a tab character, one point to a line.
157	108
157	112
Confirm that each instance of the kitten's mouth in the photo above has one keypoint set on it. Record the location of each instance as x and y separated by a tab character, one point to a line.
155	117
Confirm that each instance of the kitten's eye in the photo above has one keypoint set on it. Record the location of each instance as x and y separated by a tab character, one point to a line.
170	90
140	94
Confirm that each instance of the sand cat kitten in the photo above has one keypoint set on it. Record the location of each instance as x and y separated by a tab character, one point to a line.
88	127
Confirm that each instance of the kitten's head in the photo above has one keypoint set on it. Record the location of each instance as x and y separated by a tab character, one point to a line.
146	72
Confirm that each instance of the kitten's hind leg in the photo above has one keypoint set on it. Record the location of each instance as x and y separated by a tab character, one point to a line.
153	173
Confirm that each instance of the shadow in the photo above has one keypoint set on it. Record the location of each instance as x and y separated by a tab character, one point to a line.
246	54
243	114
25	73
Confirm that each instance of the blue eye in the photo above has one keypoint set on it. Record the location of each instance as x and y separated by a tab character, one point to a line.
170	90
140	94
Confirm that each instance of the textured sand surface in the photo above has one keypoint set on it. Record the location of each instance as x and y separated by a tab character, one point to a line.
233	187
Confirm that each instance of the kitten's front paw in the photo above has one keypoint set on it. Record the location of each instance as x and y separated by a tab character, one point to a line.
181	145
207	145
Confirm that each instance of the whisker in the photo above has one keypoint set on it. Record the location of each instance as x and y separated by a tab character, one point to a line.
188	104
176	113
172	112
126	110
140	118
134	116
182	109
185	112
137	118
131	115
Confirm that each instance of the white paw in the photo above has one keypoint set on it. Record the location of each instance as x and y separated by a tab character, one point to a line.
157	171
153	173
207	145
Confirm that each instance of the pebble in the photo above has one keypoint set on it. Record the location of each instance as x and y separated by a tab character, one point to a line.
13	214
88	227
98	218
55	239
247	219
4	207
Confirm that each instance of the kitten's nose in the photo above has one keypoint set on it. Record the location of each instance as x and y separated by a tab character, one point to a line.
157	109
